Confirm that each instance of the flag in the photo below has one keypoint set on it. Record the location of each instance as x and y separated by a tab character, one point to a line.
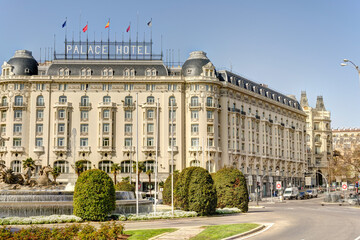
108	24
149	23
128	29
85	28
64	24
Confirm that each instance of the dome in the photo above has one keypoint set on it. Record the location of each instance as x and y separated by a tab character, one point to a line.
23	63
193	65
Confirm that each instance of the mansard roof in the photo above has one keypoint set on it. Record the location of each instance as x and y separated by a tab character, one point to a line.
260	89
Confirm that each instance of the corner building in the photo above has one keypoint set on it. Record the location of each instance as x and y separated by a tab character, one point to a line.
63	111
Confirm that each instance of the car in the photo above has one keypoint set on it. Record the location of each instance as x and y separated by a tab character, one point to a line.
312	193
291	193
303	195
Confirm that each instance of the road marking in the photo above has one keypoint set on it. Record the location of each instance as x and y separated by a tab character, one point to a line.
269	225
358	238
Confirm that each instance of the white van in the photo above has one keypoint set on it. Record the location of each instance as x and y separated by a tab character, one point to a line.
291	193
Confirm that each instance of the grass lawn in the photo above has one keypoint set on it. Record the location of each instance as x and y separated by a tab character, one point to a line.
223	231
147	233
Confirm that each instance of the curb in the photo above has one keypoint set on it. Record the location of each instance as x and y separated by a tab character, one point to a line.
259	228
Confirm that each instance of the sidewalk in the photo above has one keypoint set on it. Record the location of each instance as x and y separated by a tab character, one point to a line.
181	234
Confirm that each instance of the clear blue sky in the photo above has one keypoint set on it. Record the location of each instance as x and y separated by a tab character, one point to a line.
289	45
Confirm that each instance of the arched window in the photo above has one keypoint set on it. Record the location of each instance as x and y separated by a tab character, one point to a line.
40	101
63	99
110	72
132	72
195	163
317	138
307	138
209	101
88	72
150	99
67	72
172	100
127	166
149	165
126	72
16	166
61	72
128	100
18	100
153	72
105	166
85	101
86	165
148	72
106	99
83	72
63	165
4	101
195	101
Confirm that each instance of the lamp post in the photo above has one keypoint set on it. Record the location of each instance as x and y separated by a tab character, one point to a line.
345	63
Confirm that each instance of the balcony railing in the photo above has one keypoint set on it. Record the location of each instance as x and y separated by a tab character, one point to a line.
107	104
174	149
39	149
17	149
84	149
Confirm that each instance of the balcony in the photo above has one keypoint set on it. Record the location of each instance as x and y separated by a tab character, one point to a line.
210	105
40	104
148	148
214	149
63	104
129	106
17	149
85	105
129	149
174	149
39	149
195	149
4	106
84	149
195	105
3	149
17	133
107	105
60	149
105	149
19	105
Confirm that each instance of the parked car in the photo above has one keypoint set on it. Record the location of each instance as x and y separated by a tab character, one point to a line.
354	199
291	193
303	195
312	192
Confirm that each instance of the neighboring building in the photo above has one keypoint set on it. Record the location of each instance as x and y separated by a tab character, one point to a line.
217	118
318	138
345	139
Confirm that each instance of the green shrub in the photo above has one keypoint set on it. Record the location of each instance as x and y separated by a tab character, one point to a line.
181	191
38	233
202	194
231	189
94	195
5	233
166	194
124	186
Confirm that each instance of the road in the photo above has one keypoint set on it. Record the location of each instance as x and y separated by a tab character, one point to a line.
295	219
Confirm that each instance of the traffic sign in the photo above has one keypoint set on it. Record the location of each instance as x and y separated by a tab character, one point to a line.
278	185
344	186
308	181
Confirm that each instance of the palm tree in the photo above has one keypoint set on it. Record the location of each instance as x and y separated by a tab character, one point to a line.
125	179
79	167
115	167
29	163
55	173
149	172
141	167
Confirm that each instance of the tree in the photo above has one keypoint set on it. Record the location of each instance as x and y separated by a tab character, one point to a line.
56	173
29	163
166	194
141	167
115	168
149	172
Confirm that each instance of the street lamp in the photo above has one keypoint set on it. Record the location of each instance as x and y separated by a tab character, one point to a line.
345	63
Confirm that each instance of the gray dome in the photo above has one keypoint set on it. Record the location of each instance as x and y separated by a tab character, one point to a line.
193	65
23	63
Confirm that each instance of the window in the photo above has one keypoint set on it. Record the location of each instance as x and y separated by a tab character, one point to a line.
18	86
17	128
18	101
105	142
84	115
17	114
128	101
150	99
194	101
150	142
128	128
17	142
61	142
148	72
106	99
194	142
128	87
209	101
126	166
16	166
209	114
4	101
62	99
40	86
38	142
106	87
172	87
172	142
106	114
61	114
150	127
84	128
128	142
106	127
172	128
150	114
150	87
149	165
62	87
84	87
63	165
210	129
194	114
105	166
83	142
40	101
61	128
85	101
3	129
172	114
172	101
128	114
39	128
39	114
194	128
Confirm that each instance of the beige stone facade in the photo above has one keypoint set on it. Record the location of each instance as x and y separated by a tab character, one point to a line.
346	139
217	119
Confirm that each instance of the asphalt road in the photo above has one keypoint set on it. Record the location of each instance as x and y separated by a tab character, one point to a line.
295	219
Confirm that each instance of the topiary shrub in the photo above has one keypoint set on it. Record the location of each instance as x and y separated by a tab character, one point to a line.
124	186
166	194
231	189
181	189
94	195
202	193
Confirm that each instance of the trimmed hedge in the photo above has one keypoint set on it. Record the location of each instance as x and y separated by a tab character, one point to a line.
231	189
124	186
166	194
94	195
195	191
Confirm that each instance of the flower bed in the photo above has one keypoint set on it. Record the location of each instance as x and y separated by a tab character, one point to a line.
227	210
39	220
158	215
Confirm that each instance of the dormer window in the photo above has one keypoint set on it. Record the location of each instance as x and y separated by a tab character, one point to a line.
83	72
110	72
132	72
105	72
153	72
88	72
148	72
61	72
67	72
27	70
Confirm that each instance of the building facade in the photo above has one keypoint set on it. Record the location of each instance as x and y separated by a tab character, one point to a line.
346	139
318	139
119	111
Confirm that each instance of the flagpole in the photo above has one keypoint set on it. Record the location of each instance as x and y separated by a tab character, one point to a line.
109	41
129	40
137	32
151	39
65	37
122	46
87	42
